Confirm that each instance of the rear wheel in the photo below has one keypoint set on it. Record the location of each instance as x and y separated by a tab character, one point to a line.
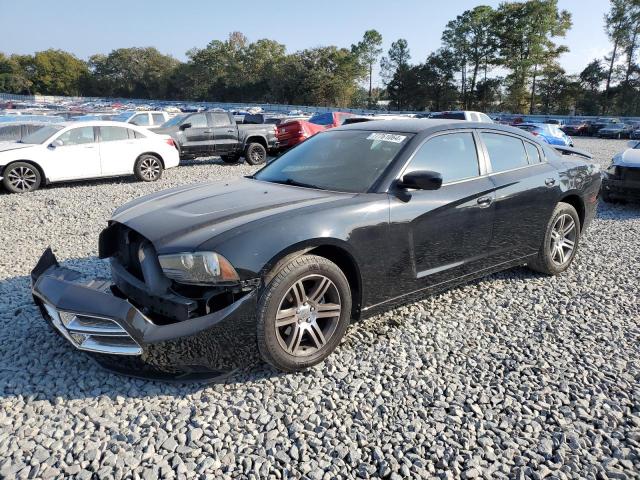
255	154
21	177
560	242
148	168
303	313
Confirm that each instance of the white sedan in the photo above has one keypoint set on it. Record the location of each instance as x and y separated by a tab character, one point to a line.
82	150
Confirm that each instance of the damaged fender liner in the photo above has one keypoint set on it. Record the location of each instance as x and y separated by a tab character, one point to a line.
211	344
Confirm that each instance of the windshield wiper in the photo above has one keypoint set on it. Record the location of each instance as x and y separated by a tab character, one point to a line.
295	183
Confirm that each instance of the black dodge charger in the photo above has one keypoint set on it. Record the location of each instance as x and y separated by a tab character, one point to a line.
356	220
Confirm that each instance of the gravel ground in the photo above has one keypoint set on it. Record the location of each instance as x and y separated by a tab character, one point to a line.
517	375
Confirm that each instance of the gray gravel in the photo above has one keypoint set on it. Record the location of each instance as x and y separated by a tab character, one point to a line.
517	375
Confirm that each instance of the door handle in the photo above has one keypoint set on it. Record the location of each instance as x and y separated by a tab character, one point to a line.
231	130
89	146
485	201
550	182
207	131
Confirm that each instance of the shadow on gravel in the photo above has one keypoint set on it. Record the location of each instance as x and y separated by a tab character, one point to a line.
38	364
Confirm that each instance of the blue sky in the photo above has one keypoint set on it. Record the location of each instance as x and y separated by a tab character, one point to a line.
87	27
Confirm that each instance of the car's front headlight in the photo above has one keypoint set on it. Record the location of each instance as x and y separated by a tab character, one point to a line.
198	268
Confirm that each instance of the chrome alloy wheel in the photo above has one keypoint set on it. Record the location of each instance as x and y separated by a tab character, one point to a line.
308	315
150	168
256	156
22	178
563	239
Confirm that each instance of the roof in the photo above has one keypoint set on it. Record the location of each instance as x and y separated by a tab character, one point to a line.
420	125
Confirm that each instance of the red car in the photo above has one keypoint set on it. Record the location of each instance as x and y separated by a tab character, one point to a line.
292	133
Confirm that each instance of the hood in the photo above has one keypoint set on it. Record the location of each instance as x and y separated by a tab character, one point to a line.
6	146
628	158
183	218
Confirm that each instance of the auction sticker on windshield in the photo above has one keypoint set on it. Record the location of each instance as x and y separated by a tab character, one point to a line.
386	137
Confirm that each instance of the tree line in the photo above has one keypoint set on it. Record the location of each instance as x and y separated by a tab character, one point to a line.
490	59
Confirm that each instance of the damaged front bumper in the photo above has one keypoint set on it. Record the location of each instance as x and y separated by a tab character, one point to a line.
621	189
122	338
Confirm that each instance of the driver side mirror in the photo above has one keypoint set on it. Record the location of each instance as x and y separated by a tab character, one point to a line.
56	143
184	126
421	180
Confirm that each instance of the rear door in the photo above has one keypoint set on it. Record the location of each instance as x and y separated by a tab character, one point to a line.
526	191
118	150
198	138
447	231
225	133
78	156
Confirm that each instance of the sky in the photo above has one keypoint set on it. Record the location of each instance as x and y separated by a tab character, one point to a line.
88	27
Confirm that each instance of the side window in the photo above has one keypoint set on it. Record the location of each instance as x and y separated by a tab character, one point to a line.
532	152
113	134
453	155
475	117
135	134
140	119
77	136
158	118
199	120
505	152
29	129
221	120
10	132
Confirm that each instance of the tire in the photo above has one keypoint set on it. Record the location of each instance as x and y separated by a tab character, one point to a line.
606	197
230	158
148	168
21	177
549	260
255	154
296	344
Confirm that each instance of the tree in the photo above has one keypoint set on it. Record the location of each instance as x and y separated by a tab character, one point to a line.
13	77
470	37
369	50
525	34
616	26
591	79
397	57
54	72
132	73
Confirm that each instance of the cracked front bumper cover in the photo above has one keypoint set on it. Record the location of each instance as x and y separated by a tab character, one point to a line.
201	347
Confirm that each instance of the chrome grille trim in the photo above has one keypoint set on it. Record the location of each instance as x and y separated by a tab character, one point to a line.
93	334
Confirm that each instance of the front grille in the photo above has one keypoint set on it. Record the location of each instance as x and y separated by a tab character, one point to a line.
93	334
631	174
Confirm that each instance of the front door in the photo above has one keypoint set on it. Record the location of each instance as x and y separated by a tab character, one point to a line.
76	156
225	133
199	136
447	232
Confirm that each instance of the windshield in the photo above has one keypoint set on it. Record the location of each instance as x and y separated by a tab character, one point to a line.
614	126
344	161
322	119
172	122
41	135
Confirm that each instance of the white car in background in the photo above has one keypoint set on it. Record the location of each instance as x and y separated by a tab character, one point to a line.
142	119
82	150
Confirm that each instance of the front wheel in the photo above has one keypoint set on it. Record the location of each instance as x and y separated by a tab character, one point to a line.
21	177
148	168
560	242
303	313
255	154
